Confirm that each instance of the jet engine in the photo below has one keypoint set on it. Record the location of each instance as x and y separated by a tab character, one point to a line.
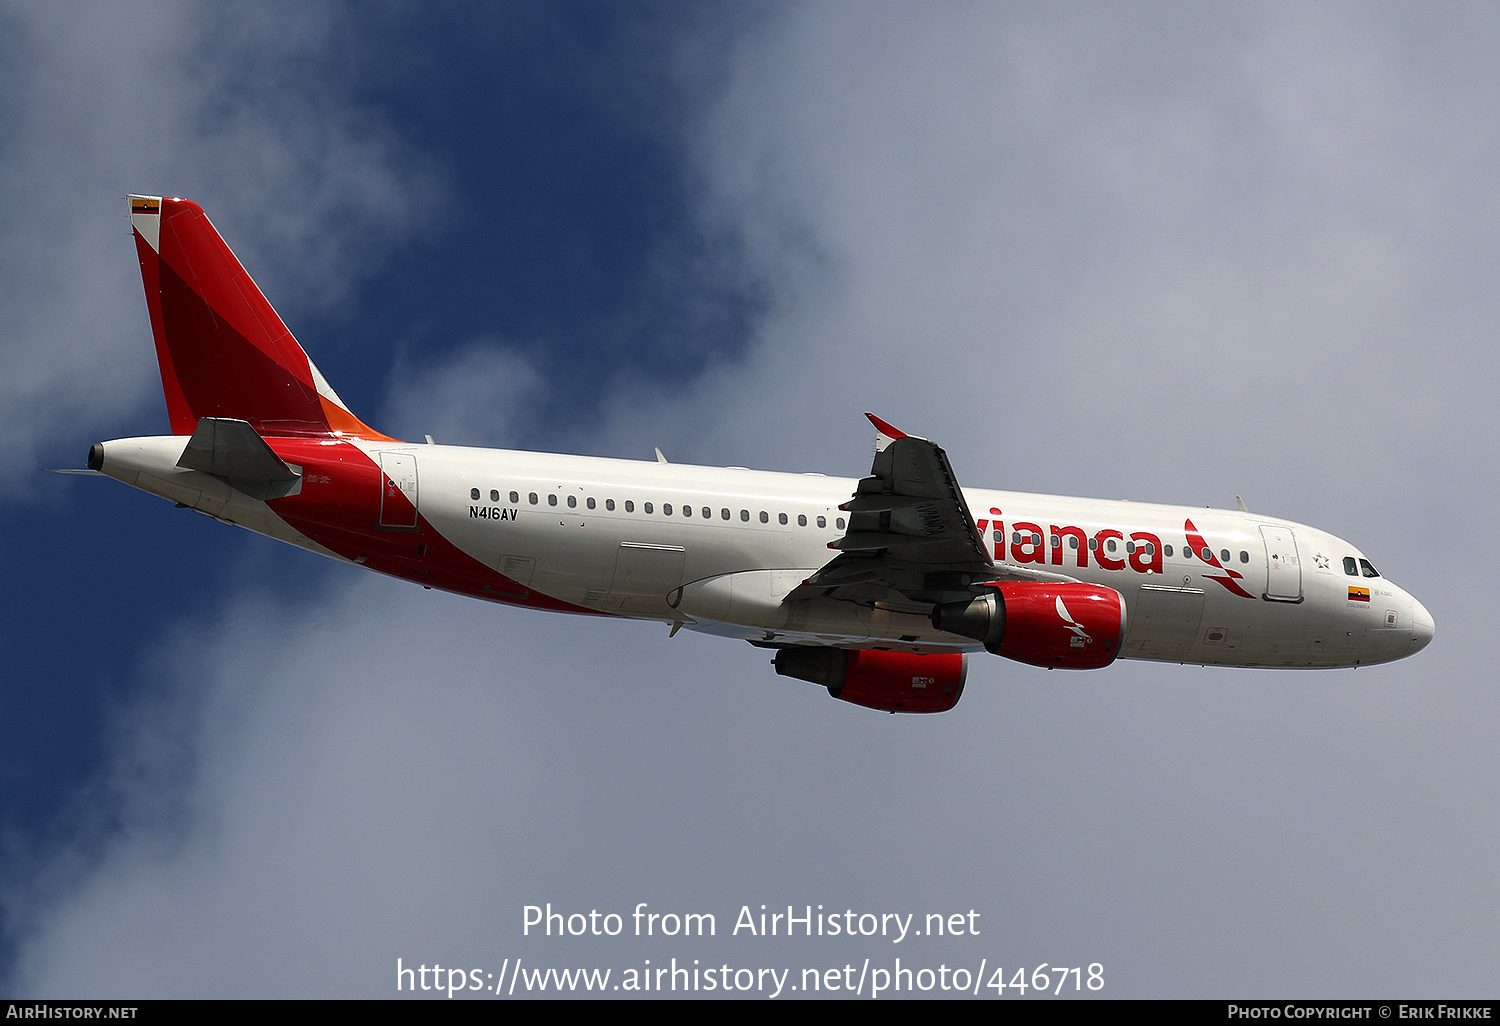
890	681
1068	626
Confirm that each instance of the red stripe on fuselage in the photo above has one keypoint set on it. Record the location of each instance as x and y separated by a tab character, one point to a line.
339	508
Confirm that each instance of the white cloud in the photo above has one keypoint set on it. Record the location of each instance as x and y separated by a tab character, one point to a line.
184	99
313	792
1096	242
483	394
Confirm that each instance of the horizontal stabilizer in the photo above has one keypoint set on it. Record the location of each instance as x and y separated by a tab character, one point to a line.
231	450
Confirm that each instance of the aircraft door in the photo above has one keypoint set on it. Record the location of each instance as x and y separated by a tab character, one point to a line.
398	482
1283	566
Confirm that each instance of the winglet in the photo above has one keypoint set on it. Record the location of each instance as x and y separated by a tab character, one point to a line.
887	434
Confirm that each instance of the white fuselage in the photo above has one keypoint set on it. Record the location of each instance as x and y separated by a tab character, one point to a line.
718	550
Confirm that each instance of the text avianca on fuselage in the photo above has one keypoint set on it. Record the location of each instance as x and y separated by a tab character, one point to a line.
876	588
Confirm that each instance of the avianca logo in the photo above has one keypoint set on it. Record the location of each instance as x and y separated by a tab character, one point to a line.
1067	544
1080	636
1200	547
1028	545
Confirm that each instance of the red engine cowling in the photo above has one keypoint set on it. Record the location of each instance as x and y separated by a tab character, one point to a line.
1070	626
890	681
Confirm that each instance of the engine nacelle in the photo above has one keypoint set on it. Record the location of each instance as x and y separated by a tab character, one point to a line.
889	681
1069	626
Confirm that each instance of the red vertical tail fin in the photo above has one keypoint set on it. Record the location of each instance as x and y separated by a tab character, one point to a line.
223	350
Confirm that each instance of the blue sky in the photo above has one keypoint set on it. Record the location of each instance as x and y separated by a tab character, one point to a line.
1164	255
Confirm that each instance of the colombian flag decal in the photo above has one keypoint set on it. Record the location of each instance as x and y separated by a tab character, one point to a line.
1359	594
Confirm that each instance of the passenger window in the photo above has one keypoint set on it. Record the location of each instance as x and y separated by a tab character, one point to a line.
1370	571
1072	541
1224	555
1244	556
552	498
724	514
1093	544
781	518
822	521
1350	567
532	497
687	511
515	496
708	514
589	502
609	504
1110	545
1207	554
1130	547
1167	549
839	523
473	493
765	517
494	495
572	502
629	506
801	519
666	509
646	506
745	515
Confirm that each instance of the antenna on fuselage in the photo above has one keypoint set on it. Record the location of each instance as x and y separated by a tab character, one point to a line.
1241	504
659	457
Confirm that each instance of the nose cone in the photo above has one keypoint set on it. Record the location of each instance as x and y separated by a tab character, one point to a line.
1422	627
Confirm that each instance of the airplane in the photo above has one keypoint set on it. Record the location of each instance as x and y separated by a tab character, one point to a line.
877	589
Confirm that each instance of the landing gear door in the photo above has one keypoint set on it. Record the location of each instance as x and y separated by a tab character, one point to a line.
398	490
1164	623
1283	567
644	575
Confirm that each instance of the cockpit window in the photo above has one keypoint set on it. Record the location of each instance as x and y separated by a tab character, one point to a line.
1370	571
1350	567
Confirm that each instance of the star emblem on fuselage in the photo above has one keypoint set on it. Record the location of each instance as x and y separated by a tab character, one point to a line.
1321	561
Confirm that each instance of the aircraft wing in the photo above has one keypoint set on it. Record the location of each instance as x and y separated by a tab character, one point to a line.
910	533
